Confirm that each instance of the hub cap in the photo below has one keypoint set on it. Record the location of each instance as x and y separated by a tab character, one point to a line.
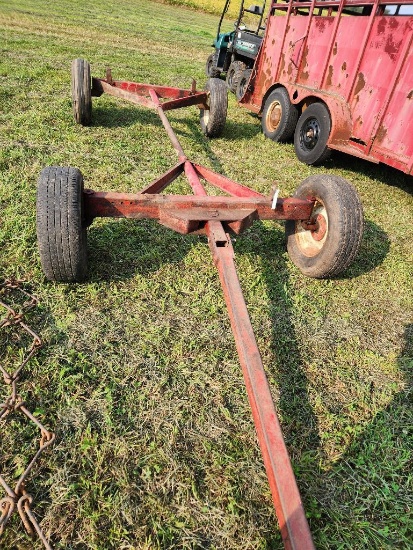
310	134
273	117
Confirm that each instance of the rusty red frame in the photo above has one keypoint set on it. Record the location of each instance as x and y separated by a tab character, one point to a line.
215	216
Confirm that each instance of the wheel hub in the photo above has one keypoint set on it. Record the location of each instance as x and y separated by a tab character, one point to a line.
317	226
274	116
311	235
310	133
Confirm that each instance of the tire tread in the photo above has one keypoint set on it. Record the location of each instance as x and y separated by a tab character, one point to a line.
61	233
237	67
345	215
285	131
213	125
81	92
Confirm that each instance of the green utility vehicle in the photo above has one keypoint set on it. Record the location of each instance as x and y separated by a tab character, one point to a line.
236	50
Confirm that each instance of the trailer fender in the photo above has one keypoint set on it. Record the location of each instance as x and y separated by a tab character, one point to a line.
340	114
339	110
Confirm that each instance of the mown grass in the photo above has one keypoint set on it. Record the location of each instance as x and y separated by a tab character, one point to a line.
140	378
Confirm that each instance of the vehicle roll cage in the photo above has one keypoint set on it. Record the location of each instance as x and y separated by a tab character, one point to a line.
260	12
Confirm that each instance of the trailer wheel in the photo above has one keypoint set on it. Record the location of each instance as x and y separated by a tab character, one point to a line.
211	66
213	119
279	117
61	228
311	134
234	74
242	84
325	245
81	92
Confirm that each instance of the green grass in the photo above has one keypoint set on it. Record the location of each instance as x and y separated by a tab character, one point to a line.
140	378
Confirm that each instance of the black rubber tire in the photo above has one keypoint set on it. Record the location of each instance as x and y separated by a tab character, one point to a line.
312	133
211	69
242	84
213	119
61	228
81	92
339	206
279	117
234	74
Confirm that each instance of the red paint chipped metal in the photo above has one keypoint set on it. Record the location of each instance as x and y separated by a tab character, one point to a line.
354	56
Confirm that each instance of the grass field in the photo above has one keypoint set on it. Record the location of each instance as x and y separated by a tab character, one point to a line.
139	376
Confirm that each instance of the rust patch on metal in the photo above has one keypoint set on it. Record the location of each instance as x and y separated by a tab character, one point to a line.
335	48
321	24
344	66
330	76
381	133
392	48
410	94
305	55
282	64
381	27
361	82
393	23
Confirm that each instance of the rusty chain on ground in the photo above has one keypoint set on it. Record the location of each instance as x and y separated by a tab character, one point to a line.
18	499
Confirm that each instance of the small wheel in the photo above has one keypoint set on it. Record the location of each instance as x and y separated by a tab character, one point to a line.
279	117
211	66
242	83
61	227
81	92
234	74
312	133
213	119
325	245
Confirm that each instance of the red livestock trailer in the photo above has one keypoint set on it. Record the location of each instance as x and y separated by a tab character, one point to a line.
337	74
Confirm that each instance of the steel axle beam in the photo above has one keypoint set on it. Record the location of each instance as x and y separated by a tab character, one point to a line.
193	208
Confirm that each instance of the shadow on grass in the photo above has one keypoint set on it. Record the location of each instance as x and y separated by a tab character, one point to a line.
115	116
375	246
381	172
298	418
119	249
122	248
375	467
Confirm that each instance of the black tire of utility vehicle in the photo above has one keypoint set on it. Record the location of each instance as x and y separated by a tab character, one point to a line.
312	133
279	117
211	69
234	74
242	84
61	228
81	92
332	246
213	119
